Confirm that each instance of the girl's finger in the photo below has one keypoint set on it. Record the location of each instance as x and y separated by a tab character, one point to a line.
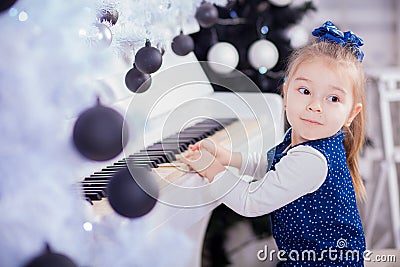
188	154
194	147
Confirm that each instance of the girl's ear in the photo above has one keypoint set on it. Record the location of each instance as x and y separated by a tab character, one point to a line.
284	95
353	114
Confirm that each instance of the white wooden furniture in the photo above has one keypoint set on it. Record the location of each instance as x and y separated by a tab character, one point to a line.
388	81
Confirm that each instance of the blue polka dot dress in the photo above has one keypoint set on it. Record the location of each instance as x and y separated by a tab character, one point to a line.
322	228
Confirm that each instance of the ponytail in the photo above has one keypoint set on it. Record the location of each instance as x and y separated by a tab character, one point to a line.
353	141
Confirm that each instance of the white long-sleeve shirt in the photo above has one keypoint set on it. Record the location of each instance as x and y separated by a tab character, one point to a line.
303	170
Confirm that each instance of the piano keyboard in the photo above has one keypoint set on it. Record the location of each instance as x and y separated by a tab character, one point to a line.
159	157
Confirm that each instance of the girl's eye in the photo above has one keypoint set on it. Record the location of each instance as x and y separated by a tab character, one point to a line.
333	99
304	91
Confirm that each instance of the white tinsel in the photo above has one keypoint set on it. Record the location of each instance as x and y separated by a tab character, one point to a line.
157	20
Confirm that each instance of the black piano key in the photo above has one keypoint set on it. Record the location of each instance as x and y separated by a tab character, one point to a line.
89	200
134	162
156	158
183	135
178	138
212	127
88	184
193	132
94	187
195	137
165	146
206	132
107	176
142	158
98	177
186	140
182	145
110	170
113	169
90	180
207	122
103	172
92	196
153	161
168	155
124	164
118	167
221	123
196	133
119	164
101	192
174	149
205	126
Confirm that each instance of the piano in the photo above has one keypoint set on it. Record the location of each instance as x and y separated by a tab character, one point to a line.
181	102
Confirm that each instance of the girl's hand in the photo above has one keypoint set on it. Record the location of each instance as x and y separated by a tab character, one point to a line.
221	154
204	163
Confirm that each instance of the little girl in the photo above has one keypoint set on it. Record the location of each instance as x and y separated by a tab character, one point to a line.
310	181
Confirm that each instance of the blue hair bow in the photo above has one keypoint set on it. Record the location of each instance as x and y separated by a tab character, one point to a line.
329	32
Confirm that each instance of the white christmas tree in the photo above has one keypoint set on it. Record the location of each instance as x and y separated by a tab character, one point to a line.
48	75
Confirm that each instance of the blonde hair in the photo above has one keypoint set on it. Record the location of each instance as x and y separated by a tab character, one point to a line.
343	58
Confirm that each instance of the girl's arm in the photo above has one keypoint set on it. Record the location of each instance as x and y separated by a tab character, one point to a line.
301	171
223	155
253	164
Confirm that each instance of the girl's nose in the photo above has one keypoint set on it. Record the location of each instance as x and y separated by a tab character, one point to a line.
314	105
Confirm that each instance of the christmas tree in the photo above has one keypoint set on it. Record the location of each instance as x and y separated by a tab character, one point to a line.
242	23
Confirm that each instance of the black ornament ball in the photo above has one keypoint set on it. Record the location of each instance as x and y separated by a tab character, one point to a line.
206	15
148	59
137	81
111	16
6	4
98	133
49	258
132	197
182	44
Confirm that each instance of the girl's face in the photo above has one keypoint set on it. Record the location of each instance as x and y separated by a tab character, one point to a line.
319	100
